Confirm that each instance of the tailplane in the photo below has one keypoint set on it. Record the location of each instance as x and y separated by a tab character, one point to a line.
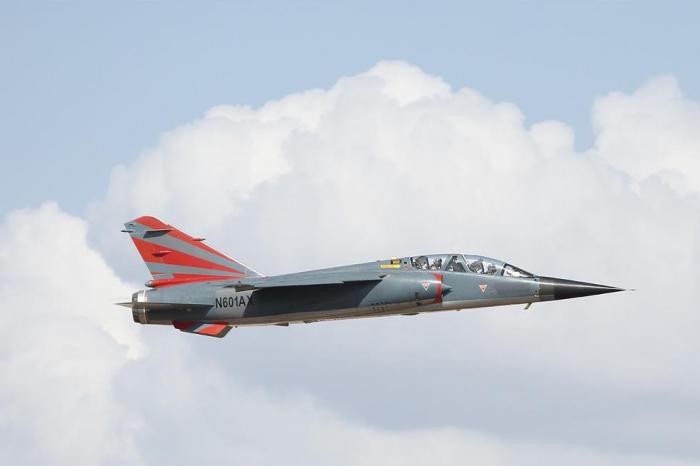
174	257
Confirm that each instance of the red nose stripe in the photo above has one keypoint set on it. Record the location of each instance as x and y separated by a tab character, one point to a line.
438	293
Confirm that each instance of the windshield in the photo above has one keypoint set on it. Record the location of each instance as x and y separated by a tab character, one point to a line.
511	271
468	264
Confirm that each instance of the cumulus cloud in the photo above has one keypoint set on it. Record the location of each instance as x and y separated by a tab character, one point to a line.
62	344
391	162
82	386
652	132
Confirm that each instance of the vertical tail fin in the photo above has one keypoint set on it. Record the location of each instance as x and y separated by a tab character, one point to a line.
174	257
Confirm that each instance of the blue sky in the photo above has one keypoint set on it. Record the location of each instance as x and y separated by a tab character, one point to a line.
86	85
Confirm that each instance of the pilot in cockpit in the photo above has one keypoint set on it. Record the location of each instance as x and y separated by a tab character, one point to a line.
477	266
420	262
436	265
454	265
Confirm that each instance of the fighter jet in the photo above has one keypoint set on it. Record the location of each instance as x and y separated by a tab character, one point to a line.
200	290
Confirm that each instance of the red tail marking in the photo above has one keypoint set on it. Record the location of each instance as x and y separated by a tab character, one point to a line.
184	324
182	278
206	329
152	253
212	329
154	223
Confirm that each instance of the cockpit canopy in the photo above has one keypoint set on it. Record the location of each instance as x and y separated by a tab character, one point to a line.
467	264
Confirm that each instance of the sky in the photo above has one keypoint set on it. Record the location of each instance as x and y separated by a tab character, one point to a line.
562	137
87	85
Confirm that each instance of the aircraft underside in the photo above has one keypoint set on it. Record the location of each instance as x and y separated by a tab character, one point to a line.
165	317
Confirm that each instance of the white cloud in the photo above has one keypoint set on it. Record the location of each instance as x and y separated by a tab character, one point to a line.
652	132
81	385
404	83
62	342
392	162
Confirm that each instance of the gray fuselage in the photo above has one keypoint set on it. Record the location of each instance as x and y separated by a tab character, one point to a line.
404	289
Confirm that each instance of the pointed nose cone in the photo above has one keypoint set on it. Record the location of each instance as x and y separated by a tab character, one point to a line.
558	288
